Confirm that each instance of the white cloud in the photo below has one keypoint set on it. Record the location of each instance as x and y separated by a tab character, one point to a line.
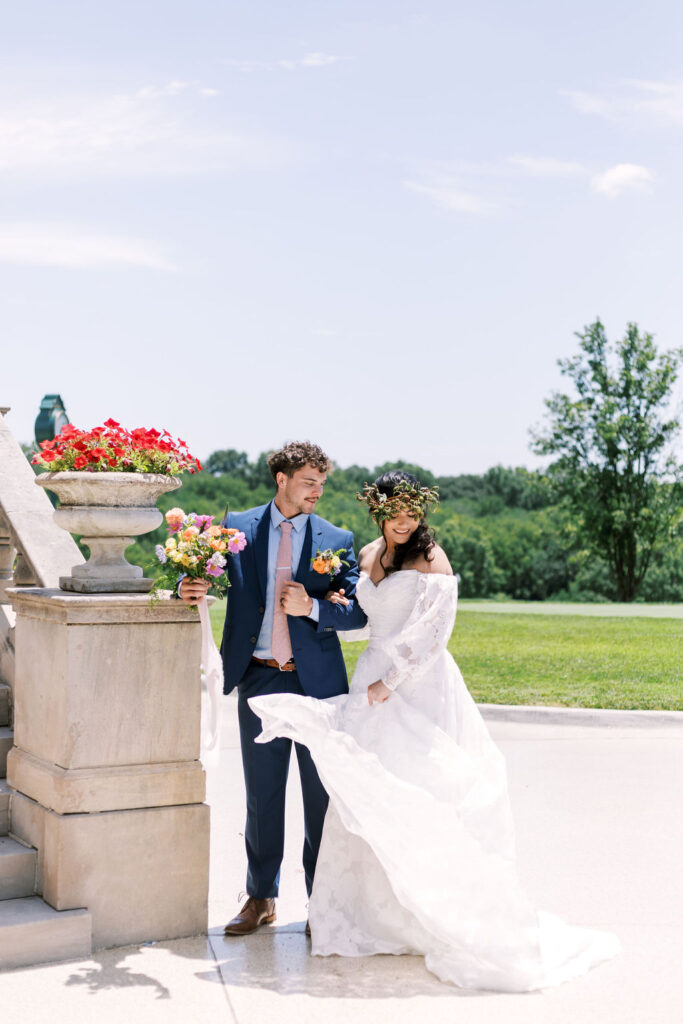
623	178
484	189
633	99
452	196
70	246
168	130
170	89
545	167
309	60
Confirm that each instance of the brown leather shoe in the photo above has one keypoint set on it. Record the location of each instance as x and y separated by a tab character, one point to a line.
253	914
308	929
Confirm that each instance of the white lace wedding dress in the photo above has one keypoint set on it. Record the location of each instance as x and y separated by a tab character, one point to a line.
417	854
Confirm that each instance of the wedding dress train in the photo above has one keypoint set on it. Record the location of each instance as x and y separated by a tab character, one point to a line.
417	854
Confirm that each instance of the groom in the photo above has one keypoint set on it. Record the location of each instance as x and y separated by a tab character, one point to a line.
280	637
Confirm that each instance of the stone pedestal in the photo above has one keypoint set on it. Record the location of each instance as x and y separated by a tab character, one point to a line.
106	765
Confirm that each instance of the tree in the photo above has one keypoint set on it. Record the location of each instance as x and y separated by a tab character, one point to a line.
613	465
229	461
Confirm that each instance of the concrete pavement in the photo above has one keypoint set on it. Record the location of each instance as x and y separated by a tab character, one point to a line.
599	829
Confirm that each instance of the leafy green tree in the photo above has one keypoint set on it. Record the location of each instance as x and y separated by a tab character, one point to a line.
260	475
425	476
611	445
470	553
229	461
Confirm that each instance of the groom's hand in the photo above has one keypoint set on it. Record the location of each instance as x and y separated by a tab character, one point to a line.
295	600
190	591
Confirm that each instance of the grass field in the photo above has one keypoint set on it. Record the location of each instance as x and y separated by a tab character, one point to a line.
561	660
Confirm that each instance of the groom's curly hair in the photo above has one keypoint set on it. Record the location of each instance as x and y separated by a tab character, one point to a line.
295	455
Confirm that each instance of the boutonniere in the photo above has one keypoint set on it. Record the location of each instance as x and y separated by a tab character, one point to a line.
328	562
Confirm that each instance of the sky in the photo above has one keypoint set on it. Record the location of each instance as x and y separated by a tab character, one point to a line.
375	225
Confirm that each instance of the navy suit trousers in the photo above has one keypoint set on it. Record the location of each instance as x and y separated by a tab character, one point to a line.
266	766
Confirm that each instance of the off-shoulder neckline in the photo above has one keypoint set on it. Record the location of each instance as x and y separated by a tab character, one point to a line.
398	572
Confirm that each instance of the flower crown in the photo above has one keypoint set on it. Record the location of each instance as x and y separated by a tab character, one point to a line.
408	498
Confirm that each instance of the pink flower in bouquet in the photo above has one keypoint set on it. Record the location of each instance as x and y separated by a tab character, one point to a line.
175	518
216	565
237	542
203	522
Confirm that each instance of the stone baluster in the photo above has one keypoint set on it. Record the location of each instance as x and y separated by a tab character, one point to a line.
8	553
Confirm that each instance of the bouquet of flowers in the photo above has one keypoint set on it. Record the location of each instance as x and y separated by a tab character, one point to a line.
113	448
198	549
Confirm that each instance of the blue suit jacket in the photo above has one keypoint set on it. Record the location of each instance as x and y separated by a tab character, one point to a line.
315	646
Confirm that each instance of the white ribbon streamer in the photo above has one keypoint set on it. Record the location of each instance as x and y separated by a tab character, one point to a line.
212	690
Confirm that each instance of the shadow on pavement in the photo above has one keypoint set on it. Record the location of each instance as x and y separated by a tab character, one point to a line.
279	960
110	975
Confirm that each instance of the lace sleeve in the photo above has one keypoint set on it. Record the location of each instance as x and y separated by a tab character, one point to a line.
427	630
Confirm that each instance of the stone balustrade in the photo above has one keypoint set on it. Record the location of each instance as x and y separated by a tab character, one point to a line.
104	800
34	551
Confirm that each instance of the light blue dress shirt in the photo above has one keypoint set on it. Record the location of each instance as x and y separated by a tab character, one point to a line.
265	637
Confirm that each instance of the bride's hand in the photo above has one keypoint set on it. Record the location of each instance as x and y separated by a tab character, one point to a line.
336	597
378	693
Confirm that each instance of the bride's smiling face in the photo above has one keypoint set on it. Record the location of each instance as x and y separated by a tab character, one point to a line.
399	529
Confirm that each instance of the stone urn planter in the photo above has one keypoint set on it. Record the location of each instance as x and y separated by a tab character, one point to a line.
107	510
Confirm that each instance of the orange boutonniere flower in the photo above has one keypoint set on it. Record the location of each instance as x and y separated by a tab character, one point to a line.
328	562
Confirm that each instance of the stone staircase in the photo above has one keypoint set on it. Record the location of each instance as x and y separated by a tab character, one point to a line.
31	932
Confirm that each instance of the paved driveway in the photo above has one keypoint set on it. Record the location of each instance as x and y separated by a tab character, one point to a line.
600	834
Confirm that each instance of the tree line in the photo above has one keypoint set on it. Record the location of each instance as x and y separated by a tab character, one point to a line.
603	522
505	531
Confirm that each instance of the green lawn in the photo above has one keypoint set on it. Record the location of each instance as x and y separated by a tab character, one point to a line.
566	660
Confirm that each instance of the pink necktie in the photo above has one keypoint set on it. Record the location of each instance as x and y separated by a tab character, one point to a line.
281	645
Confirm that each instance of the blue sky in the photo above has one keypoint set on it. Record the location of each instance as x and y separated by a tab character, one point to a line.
376	225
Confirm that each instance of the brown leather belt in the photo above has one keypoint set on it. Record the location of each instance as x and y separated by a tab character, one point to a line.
272	663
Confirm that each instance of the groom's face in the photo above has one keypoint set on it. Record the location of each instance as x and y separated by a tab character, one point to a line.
300	491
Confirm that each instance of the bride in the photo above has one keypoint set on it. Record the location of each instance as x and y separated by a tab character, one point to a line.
417	853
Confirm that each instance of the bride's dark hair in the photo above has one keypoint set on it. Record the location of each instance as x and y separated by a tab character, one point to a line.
421	541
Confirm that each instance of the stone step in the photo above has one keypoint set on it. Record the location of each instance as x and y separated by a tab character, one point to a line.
17	869
4	807
6	743
31	932
4	704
